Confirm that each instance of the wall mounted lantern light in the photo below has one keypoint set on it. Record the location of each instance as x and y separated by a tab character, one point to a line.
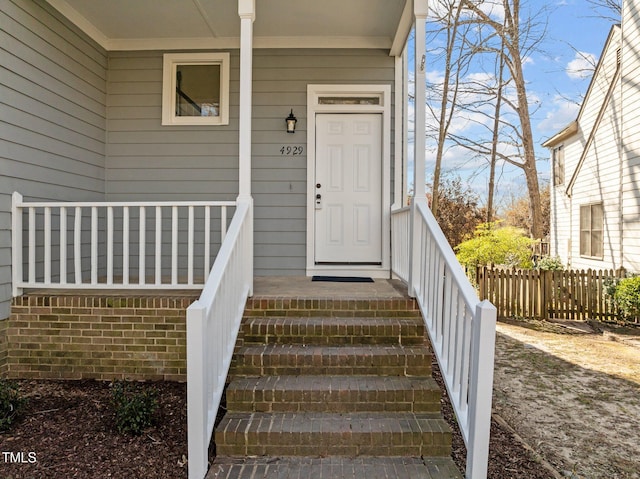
291	122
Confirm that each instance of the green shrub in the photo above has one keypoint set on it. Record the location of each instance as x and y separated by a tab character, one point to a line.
549	263
10	403
627	296
506	246
134	406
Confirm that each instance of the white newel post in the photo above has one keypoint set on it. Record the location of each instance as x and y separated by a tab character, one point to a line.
247	13
483	339
420	10
197	420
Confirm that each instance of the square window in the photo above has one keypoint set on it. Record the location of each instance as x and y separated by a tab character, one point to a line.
195	89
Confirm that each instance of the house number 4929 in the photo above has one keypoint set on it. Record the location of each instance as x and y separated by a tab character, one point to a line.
291	150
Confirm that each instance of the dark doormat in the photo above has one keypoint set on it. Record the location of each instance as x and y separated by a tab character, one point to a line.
342	279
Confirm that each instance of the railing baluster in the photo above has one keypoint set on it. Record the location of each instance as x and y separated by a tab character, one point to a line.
125	245
223	223
63	245
207	241
110	245
174	245
47	245
464	373
32	245
94	245
142	252
77	246
190	229
158	266
446	314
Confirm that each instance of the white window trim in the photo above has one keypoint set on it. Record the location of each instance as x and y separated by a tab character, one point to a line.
171	61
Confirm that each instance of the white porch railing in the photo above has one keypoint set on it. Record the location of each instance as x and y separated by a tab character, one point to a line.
461	328
99	245
400	241
213	322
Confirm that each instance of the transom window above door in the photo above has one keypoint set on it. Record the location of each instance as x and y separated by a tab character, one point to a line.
195	89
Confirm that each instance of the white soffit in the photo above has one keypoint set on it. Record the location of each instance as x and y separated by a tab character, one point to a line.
206	24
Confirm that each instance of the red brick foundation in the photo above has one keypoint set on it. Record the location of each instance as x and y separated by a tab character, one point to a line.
96	337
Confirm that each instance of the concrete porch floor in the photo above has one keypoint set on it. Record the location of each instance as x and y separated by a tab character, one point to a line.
263	287
304	287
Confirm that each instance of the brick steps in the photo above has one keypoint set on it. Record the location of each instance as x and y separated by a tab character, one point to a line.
333	394
332	388
332	308
333	331
323	434
295	359
334	467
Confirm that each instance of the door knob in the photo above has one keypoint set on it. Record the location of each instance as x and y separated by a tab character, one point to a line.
318	185
318	196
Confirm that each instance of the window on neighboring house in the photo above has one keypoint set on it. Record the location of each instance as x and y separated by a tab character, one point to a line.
558	166
195	89
592	230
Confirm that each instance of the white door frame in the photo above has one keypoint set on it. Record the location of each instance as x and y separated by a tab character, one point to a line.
382	105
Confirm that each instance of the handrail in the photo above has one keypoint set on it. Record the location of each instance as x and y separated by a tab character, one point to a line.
213	322
105	245
460	326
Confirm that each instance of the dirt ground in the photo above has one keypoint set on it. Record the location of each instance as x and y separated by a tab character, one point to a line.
574	397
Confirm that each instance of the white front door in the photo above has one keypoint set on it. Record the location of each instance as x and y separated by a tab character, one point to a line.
348	189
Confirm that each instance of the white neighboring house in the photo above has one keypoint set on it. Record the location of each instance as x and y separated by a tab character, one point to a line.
595	194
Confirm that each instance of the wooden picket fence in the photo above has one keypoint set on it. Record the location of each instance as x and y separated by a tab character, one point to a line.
535	294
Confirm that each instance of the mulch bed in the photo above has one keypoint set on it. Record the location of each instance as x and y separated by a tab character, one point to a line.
69	426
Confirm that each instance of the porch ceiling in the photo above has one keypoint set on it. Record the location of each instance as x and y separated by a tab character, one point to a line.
183	24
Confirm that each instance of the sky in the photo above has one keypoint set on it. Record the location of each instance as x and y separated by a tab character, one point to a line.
556	83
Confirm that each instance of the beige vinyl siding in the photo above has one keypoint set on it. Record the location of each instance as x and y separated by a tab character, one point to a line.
52	115
147	161
565	232
631	136
598	180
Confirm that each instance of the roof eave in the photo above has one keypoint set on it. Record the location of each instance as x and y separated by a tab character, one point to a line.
567	132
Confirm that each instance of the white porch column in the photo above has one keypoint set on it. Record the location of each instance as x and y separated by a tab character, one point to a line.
420	17
247	13
420	10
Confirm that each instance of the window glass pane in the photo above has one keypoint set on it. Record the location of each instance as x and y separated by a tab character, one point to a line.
585	243
585	218
596	217
349	100
596	244
558	166
197	90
